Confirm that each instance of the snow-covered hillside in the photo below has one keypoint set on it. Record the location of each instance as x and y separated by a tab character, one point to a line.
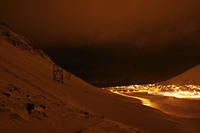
190	77
31	101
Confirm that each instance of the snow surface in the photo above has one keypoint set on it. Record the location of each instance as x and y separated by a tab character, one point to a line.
73	107
190	77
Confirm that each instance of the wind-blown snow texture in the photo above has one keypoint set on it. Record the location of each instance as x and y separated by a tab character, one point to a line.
30	101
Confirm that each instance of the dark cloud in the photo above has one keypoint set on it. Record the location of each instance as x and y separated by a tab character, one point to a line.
93	21
115	40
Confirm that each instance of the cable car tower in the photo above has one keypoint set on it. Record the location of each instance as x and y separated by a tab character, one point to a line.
58	74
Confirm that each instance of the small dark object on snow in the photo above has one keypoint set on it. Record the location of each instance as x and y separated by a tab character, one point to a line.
85	113
6	34
15	88
43	106
30	107
44	114
6	94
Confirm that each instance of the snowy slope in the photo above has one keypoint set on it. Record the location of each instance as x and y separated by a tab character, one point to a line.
191	76
30	101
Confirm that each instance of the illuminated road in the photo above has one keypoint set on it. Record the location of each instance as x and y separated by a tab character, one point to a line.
144	101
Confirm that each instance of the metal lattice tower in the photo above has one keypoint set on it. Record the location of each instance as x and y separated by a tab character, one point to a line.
58	73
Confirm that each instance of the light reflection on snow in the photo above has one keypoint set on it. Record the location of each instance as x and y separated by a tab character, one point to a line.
144	101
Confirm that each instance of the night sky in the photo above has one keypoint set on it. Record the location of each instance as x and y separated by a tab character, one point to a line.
112	42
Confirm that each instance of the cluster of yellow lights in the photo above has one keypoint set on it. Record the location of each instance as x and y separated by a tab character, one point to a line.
178	91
